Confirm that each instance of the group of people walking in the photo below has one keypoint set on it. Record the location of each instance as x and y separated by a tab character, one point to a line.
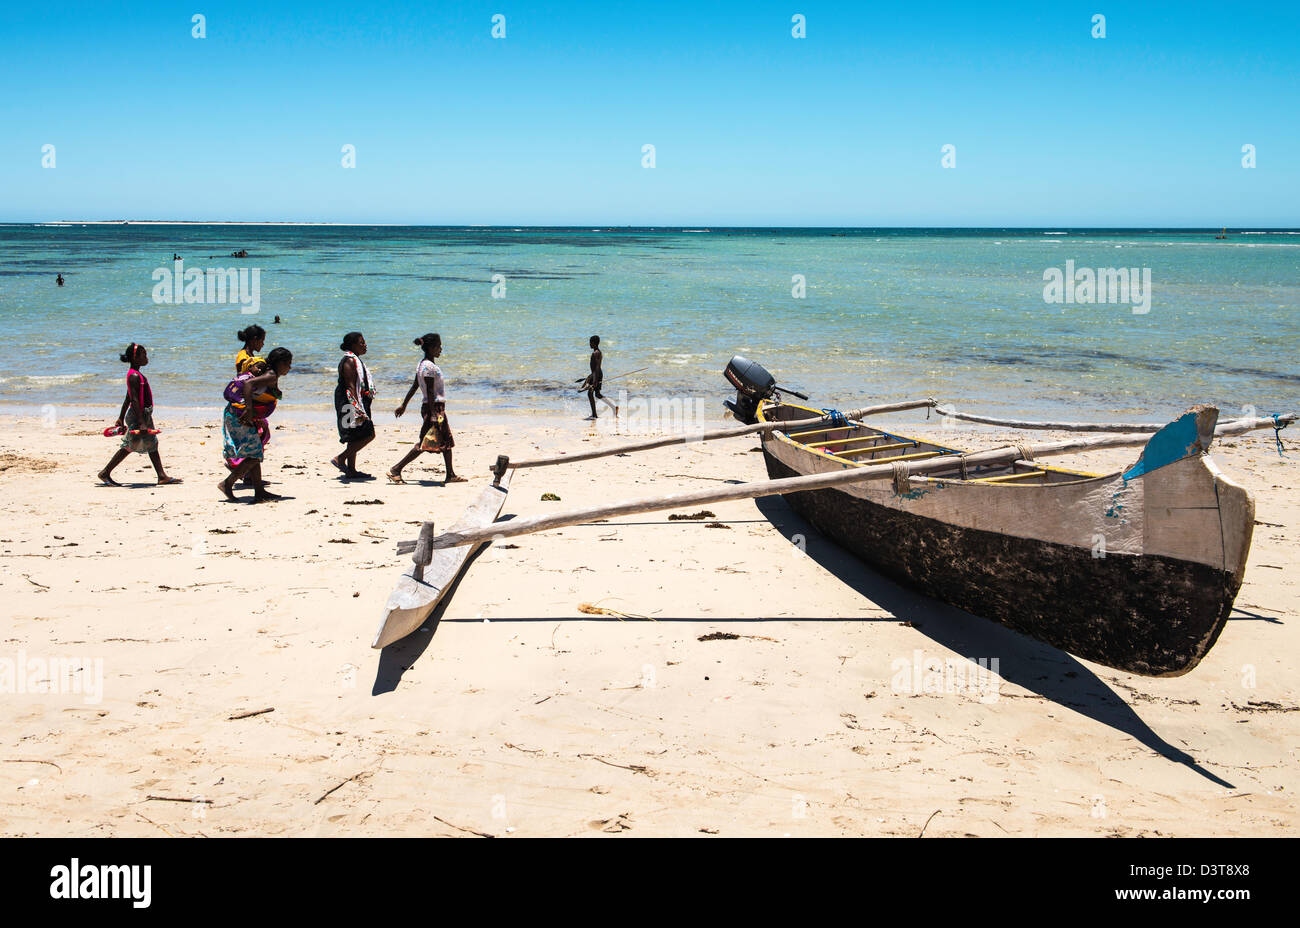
355	393
251	398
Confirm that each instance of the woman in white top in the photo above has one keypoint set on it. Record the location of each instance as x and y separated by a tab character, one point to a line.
435	433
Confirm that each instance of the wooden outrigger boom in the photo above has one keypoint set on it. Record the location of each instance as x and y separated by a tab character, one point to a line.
850	475
1053	426
716	434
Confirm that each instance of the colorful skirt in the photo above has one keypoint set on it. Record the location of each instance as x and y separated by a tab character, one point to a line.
239	441
142	442
352	427
435	435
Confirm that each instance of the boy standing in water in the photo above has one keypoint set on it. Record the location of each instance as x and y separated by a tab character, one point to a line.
591	386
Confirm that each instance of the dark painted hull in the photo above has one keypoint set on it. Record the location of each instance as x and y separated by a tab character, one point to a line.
1150	615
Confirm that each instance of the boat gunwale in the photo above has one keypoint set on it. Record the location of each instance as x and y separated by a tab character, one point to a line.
1082	476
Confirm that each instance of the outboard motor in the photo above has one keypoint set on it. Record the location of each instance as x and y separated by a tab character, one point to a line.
753	385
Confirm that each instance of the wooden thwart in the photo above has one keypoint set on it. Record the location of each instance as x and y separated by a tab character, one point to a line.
837	428
898	457
848	441
874	448
1007	478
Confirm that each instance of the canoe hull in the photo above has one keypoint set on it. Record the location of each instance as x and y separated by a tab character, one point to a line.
1154	604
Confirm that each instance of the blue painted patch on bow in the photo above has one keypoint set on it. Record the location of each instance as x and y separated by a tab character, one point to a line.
1175	441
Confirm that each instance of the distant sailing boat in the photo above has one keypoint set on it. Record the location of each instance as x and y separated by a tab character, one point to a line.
1224	235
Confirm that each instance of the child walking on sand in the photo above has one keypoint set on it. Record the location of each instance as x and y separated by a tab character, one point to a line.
435	433
253	337
135	420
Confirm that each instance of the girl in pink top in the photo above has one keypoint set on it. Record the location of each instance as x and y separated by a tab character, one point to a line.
135	420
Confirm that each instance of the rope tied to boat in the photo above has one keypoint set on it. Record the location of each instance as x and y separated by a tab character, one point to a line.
961	460
1026	452
902	478
837	418
1278	426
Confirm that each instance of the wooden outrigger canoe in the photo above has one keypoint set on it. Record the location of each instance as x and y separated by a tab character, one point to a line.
1136	570
432	572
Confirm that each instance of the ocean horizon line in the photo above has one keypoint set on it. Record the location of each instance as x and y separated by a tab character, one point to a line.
697	228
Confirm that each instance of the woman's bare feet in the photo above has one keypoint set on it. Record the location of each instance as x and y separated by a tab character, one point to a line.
226	491
454	478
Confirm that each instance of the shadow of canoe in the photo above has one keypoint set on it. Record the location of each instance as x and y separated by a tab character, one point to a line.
1039	668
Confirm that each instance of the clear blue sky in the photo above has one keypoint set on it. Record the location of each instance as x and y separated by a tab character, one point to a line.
751	126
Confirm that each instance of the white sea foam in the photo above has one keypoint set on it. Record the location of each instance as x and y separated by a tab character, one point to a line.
53	380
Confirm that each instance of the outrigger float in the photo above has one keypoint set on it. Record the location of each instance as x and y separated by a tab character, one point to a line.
1136	570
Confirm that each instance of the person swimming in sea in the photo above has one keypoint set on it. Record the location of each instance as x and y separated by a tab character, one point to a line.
135	421
591	386
59	280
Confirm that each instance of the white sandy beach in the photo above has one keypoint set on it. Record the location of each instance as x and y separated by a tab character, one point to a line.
517	714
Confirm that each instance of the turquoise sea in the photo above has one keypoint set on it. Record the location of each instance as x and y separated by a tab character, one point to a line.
886	314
